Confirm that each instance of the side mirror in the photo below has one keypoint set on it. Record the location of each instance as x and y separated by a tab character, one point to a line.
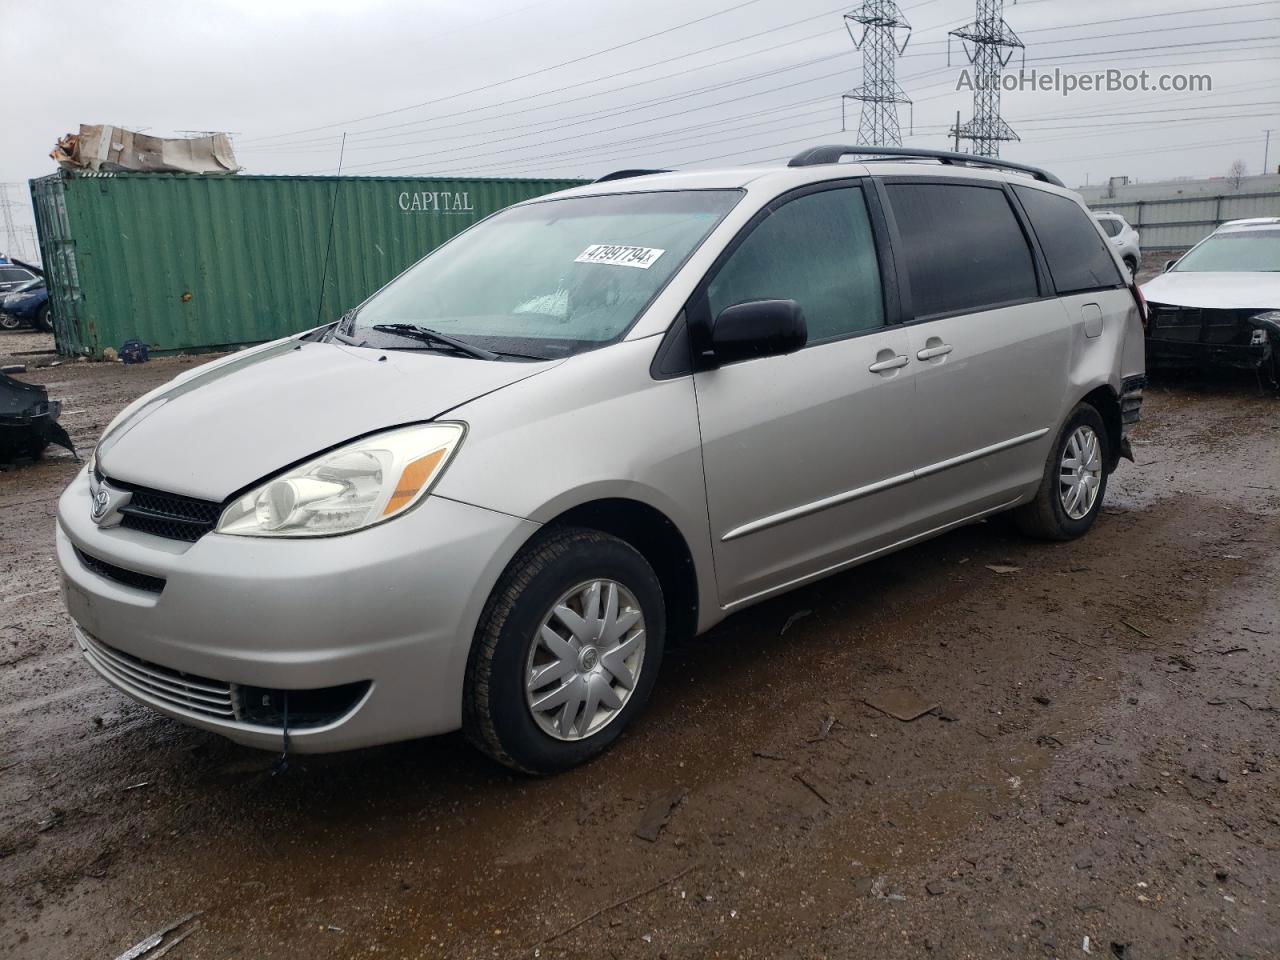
758	328
1168	264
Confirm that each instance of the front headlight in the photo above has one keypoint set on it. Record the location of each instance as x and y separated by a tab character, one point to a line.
346	489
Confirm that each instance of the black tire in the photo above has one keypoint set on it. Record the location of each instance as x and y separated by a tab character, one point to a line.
1045	517
44	319
495	715
1132	264
9	322
1271	370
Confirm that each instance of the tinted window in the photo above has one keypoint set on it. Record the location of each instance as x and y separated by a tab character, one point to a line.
963	248
13	274
816	250
1078	257
1110	227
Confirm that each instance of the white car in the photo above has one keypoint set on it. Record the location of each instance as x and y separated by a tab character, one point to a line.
1220	303
1125	239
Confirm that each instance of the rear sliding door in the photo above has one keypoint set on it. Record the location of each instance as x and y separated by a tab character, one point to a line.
988	343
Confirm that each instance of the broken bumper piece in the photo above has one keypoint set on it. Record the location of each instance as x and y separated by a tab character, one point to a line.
28	421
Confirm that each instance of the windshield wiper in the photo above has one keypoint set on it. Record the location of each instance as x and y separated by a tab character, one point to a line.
412	331
335	332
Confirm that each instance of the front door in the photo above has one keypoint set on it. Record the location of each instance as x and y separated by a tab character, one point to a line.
807	456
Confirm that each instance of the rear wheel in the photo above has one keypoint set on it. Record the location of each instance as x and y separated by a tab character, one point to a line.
1074	481
566	653
44	319
1272	370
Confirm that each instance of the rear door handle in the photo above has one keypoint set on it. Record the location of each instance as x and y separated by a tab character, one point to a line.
893	363
928	353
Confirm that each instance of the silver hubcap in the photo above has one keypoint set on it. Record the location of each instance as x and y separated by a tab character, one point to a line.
585	660
1080	476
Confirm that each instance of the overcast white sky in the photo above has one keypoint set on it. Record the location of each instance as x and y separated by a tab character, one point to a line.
485	88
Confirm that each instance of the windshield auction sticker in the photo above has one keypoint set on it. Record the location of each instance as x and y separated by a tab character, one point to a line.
620	256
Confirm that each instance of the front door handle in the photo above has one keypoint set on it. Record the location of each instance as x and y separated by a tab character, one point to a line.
893	363
928	353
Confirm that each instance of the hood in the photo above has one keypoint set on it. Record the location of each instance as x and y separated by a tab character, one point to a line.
227	425
1224	291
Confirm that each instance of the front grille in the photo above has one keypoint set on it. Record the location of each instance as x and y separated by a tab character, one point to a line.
168	515
199	697
184	692
130	578
1200	325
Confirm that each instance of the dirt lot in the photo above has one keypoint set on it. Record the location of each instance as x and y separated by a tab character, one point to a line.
1103	763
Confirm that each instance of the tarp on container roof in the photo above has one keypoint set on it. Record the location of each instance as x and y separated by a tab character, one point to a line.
113	149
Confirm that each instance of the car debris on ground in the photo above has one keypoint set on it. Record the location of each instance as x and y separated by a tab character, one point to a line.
28	421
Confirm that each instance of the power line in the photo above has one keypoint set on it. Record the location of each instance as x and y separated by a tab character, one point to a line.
249	144
532	73
659	158
629	109
614	111
612	76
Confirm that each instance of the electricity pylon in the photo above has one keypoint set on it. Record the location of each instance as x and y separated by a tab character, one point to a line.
879	93
989	43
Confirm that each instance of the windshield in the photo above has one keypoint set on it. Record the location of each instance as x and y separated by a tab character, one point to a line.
1243	251
547	279
35	284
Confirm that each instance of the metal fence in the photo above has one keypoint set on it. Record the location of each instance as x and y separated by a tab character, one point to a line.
1182	222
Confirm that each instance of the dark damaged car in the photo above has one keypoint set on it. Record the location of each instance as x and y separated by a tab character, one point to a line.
26	305
1219	305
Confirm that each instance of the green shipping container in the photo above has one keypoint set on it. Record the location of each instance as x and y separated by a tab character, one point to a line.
189	262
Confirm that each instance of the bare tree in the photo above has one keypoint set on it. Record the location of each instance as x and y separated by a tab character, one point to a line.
1236	174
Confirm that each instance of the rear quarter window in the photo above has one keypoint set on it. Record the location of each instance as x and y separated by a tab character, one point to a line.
1078	258
1110	227
963	248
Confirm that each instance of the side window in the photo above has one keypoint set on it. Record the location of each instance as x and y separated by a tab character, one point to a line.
1078	258
817	250
963	248
13	275
1110	227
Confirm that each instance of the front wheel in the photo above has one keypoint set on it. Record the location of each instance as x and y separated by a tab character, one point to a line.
566	652
9	322
1074	482
44	319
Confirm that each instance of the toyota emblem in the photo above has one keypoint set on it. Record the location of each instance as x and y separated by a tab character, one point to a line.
101	502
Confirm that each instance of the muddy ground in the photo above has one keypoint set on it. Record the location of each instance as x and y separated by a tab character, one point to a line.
1102	764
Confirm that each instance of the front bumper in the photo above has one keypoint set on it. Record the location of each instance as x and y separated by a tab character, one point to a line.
393	608
1185	353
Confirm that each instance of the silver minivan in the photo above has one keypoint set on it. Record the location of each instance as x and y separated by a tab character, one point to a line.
491	494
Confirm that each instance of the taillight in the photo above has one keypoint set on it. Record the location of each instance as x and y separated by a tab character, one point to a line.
1141	301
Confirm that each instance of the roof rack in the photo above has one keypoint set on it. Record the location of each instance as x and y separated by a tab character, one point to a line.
627	174
832	153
